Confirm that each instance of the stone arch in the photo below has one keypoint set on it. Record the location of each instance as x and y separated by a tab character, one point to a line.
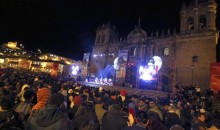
202	21
190	23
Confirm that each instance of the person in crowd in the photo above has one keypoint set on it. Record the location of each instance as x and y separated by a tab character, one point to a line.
215	125
25	106
21	94
141	122
171	118
199	122
154	110
114	119
132	107
99	109
198	90
154	123
87	114
164	109
9	119
186	116
128	115
176	127
43	95
87	125
123	94
108	100
80	97
142	106
78	105
209	118
50	118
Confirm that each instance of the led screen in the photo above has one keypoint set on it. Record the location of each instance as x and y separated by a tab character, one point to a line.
75	69
150	71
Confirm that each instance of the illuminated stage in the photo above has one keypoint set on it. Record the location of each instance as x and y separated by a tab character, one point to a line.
143	76
130	91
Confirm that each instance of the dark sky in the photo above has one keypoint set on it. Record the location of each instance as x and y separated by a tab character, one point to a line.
67	27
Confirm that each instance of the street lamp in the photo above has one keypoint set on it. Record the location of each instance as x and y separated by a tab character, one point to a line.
192	67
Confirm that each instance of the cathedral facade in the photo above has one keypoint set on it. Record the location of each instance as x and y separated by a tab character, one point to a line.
186	55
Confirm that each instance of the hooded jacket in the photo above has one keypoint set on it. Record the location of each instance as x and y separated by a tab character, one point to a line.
50	118
43	95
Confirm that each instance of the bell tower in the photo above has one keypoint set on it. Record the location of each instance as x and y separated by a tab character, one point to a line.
105	34
198	16
211	15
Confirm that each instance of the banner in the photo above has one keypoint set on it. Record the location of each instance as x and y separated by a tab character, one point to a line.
215	77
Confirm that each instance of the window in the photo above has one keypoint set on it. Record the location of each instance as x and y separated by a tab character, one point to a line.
166	52
190	23
202	21
195	59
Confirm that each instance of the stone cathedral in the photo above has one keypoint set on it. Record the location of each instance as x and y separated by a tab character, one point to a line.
186	55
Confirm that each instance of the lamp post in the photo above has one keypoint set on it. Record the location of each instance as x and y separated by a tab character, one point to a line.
192	68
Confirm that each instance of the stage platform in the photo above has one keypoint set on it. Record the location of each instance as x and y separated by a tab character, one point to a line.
130	91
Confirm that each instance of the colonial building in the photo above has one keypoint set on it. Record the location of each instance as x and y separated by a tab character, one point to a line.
14	55
186	55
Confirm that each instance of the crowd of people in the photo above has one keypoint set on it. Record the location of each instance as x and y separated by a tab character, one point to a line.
37	101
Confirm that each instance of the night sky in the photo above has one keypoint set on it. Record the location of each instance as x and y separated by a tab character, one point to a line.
67	27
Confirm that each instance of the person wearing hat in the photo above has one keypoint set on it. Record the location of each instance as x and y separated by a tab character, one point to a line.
123	97
123	94
43	95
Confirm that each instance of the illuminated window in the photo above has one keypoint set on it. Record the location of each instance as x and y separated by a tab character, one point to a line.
166	52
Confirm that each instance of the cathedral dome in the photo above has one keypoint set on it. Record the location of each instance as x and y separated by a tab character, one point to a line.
137	31
137	35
